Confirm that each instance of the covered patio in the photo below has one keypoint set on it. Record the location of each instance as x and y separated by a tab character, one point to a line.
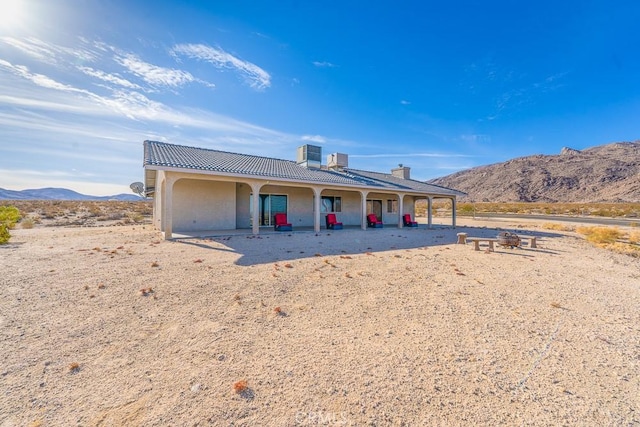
197	190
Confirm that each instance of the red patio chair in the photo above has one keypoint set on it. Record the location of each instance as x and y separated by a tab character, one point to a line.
408	222
372	221
332	222
280	222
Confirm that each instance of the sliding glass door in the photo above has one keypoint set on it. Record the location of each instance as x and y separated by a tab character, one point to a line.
269	205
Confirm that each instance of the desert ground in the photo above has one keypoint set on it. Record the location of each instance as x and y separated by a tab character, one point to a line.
114	326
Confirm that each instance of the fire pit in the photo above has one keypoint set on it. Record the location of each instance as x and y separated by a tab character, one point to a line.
506	238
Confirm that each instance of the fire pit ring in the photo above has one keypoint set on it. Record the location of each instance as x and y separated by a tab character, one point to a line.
506	238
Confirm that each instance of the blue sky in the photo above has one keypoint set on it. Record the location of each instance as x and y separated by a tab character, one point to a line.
437	86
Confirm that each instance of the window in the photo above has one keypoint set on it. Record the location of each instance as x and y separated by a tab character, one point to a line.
330	204
392	206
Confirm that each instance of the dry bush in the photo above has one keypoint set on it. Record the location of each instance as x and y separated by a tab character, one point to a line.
135	217
600	235
83	212
634	237
27	223
624	248
629	210
558	227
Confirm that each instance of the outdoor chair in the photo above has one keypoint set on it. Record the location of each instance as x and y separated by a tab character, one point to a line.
280	222
372	221
408	222
332	222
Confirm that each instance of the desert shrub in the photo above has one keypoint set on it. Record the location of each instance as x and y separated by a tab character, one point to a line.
134	217
623	248
4	234
600	235
557	226
27	223
9	216
634	237
465	208
94	210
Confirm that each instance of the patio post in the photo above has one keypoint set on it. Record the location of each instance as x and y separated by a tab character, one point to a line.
363	216
400	209
453	211
168	206
255	217
316	208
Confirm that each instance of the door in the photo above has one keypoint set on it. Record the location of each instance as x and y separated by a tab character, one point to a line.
269	205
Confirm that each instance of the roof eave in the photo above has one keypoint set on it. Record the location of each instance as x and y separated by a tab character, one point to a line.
274	180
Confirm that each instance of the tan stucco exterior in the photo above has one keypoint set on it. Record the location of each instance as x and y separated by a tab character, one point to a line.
191	202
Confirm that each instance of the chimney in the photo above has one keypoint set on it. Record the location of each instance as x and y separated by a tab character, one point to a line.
403	172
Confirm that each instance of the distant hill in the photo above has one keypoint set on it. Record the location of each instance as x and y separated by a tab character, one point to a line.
606	173
59	194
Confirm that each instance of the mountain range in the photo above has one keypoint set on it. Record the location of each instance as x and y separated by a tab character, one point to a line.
60	194
605	173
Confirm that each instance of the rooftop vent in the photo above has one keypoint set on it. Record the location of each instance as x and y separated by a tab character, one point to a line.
337	161
403	172
310	156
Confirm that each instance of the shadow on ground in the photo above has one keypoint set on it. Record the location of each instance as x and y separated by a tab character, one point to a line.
288	246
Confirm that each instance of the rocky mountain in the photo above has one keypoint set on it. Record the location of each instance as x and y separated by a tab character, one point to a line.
606	173
59	194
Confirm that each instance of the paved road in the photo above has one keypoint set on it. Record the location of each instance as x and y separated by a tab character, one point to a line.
583	219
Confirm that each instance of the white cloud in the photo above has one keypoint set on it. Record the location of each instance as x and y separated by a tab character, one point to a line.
323	64
405	102
153	74
109	78
255	76
34	50
122	103
49	53
38	79
314	138
408	155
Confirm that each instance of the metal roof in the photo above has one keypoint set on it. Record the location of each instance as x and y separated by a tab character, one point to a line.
160	155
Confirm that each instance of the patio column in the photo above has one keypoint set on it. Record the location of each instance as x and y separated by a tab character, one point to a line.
453	212
316	208
363	216
158	197
400	209
255	217
168	206
429	213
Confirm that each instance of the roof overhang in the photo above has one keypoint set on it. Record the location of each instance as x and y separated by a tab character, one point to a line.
151	181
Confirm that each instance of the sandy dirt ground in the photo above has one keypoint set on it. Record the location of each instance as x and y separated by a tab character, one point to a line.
114	326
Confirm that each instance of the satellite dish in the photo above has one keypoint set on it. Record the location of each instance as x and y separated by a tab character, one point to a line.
138	188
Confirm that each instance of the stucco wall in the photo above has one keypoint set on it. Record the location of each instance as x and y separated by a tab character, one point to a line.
204	205
299	203
351	207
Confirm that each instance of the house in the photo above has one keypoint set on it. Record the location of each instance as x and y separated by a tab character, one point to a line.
196	189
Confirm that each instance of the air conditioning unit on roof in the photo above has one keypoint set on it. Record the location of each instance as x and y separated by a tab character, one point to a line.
310	156
337	161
